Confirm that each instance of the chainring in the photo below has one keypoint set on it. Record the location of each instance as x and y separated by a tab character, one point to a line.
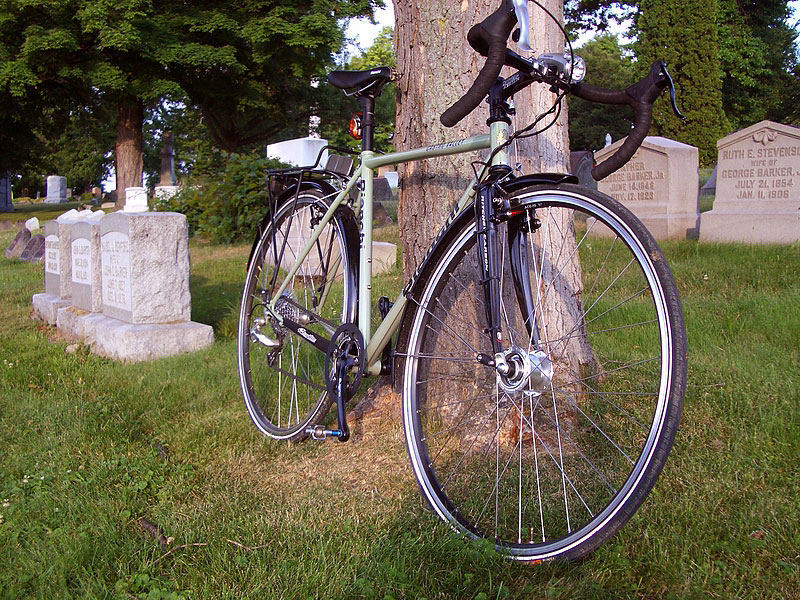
347	343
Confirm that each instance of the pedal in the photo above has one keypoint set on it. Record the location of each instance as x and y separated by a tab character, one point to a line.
319	433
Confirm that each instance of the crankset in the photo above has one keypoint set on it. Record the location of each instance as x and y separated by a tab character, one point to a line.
344	364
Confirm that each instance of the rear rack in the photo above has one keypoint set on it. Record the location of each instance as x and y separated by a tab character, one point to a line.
336	172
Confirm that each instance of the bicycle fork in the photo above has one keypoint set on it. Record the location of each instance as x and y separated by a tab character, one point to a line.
518	368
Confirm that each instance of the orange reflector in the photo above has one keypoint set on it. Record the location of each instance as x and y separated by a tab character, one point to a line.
355	126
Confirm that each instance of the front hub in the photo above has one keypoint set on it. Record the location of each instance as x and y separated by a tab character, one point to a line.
519	370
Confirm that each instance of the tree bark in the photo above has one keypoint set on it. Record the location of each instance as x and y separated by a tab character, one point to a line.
436	67
129	146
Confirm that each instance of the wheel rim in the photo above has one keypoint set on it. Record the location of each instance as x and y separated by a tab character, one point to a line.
282	375
553	463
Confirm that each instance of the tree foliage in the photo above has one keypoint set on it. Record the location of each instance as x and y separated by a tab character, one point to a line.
245	65
684	34
608	66
740	53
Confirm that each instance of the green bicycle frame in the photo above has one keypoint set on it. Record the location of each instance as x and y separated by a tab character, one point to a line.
370	162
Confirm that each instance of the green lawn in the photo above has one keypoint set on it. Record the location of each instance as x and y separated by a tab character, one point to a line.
88	446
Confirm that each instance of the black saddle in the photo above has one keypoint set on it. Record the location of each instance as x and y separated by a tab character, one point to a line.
369	82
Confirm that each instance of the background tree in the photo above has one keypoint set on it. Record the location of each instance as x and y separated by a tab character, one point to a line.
247	66
609	66
684	33
749	46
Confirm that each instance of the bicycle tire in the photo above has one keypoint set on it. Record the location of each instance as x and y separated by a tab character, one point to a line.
553	475
282	375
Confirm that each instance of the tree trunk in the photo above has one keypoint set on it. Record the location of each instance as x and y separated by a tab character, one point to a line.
437	66
129	146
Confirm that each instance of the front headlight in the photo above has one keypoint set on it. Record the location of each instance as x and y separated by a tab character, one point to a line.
578	66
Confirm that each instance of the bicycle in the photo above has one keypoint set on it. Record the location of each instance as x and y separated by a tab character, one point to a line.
511	437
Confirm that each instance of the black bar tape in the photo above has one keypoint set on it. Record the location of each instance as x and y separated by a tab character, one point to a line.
640	96
489	39
641	127
480	87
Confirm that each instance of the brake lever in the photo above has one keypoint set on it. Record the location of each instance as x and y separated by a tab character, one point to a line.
673	94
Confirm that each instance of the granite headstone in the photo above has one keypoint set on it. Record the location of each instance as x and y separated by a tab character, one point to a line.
758	187
56	189
659	185
18	244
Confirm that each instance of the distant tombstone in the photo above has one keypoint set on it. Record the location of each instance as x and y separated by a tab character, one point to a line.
144	259
86	270
581	163
392	178
34	250
32	224
710	186
58	256
659	185
381	190
56	189
380	216
758	187
608	140
301	152
6	205
135	200
167	187
167	161
18	244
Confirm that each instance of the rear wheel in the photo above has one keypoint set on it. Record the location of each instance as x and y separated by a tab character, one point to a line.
283	375
551	458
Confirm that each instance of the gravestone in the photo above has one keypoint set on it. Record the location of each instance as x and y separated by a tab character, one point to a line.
167	187
392	178
145	267
758	187
381	190
18	244
380	216
32	224
300	152
58	256
659	185
34	250
710	186
581	163
6	204
56	189
135	200
85	251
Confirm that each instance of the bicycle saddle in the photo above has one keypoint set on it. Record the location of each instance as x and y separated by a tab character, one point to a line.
370	81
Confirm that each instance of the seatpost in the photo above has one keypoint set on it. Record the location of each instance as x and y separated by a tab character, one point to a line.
367	122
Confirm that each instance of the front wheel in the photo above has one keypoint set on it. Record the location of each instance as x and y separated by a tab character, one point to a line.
551	456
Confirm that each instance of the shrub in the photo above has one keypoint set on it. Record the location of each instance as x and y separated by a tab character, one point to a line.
225	206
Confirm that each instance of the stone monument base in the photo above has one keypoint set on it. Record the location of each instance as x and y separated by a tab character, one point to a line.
116	339
384	257
750	228
46	307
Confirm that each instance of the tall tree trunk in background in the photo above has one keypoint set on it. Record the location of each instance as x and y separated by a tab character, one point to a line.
129	146
436	67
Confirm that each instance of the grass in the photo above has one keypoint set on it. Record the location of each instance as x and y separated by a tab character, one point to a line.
89	445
